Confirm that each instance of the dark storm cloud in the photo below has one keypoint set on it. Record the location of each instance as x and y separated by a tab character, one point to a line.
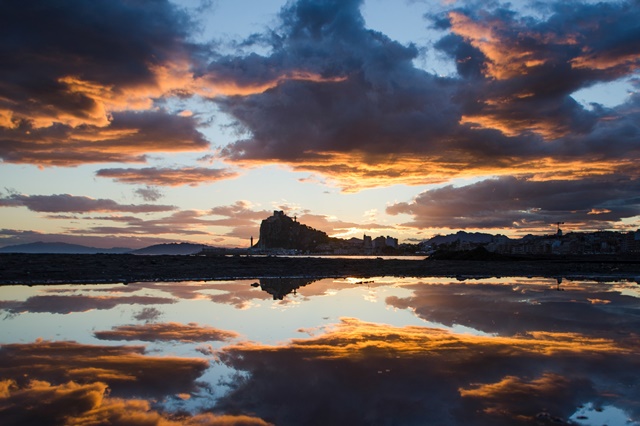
76	204
74	73
192	176
378	103
507	202
419	375
111	43
525	69
374	119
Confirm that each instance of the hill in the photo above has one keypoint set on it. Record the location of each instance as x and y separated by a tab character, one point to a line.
171	249
462	236
60	248
282	232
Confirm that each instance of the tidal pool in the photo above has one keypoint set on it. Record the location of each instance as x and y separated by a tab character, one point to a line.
383	350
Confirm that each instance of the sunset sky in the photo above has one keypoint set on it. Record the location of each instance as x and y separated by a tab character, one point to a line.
133	122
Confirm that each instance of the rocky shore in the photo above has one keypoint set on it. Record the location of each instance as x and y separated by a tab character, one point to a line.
124	268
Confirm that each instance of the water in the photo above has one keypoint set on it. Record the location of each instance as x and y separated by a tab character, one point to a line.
353	351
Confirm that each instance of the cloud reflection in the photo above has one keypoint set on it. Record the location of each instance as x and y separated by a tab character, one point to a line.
419	375
520	307
127	369
172	331
56	304
72	403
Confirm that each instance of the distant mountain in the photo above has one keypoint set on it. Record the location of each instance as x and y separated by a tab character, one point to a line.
172	248
462	236
59	248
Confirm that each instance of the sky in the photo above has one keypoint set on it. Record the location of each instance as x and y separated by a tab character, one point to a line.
126	123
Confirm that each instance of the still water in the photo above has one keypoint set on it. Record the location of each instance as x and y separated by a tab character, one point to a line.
379	351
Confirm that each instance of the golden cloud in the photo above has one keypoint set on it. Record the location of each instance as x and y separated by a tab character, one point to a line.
356	171
125	368
71	403
354	339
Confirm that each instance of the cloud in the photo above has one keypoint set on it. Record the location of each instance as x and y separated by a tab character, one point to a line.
513	58
383	101
56	304
61	76
129	137
43	403
76	204
523	304
513	395
418	375
510	202
126	369
192	176
238	293
389	122
86	93
148	314
172	331
149	193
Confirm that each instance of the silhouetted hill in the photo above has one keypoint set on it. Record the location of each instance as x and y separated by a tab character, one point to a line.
282	232
60	248
462	236
478	253
171	248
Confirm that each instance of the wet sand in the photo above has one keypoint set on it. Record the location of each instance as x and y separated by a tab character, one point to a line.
118	268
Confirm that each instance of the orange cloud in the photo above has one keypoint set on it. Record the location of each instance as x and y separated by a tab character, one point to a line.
511	397
126	369
71	403
212	85
602	60
356	171
393	373
352	338
128	137
506	58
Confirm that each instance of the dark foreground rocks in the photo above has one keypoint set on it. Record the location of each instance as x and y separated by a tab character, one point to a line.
112	268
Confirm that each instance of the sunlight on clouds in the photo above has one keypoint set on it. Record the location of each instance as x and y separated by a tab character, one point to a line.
354	172
212	86
74	403
514	126
505	60
353	338
7	120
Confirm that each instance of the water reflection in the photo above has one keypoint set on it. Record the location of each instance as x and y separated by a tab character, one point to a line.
280	287
295	351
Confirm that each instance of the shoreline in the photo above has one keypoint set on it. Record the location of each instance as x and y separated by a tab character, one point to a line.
38	269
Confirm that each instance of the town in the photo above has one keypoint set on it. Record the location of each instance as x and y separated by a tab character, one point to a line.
283	235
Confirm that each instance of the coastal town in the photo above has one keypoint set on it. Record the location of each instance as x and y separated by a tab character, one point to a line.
283	235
